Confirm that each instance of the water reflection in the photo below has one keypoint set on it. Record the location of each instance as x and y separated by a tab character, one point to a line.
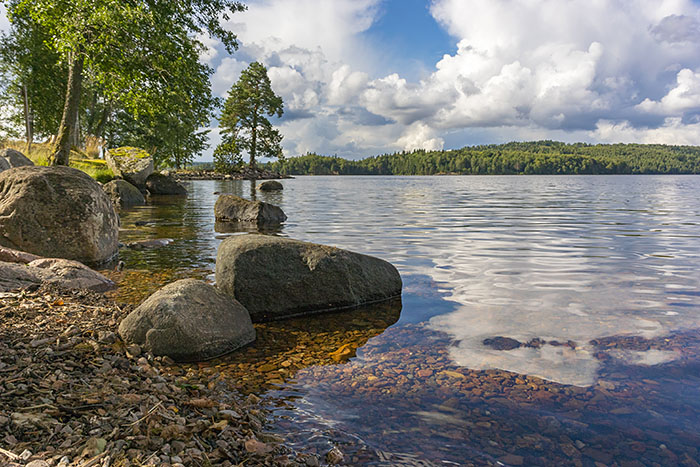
606	266
283	348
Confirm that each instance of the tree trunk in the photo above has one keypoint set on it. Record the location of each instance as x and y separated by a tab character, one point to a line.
61	153
28	119
254	139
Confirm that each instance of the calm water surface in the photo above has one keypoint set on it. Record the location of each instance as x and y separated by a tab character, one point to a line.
548	320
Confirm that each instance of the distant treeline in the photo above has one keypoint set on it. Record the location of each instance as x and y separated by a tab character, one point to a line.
531	158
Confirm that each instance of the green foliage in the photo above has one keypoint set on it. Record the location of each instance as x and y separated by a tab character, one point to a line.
137	66
227	157
31	65
244	124
541	157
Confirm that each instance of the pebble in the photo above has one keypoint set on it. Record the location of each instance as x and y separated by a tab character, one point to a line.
334	456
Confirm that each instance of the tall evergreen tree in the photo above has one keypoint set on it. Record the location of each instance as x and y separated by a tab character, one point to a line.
244	124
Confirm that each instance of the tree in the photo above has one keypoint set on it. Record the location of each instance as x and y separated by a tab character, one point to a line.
244	124
121	46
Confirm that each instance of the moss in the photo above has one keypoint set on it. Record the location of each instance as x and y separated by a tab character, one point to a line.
130	152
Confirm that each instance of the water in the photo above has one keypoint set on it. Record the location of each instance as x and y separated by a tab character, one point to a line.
594	281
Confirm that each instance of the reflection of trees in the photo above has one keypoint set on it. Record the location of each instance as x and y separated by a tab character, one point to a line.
284	347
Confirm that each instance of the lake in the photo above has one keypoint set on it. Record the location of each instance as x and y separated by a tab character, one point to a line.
545	320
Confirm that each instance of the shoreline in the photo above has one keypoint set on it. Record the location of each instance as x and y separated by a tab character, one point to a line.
73	393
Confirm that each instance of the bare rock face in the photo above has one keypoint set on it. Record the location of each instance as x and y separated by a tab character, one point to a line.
230	208
188	320
4	165
275	277
14	158
64	273
270	185
72	274
159	184
124	194
132	164
9	255
57	212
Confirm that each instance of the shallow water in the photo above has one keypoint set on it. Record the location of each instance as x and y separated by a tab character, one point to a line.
594	280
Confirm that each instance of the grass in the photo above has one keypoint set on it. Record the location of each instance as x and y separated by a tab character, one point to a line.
41	152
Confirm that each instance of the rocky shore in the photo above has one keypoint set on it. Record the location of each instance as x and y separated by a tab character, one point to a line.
244	174
73	393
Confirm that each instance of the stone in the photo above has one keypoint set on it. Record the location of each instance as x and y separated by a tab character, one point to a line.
275	277
270	185
57	212
334	456
123	193
9	255
188	320
132	164
230	208
159	184
4	165
502	343
14	158
72	275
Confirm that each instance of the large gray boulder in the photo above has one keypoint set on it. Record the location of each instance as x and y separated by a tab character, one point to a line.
124	194
60	272
230	208
276	277
188	320
57	212
159	184
14	158
132	164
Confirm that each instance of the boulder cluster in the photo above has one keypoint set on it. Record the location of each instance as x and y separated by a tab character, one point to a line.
53	219
136	177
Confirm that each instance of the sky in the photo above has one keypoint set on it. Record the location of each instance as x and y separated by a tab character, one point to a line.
365	77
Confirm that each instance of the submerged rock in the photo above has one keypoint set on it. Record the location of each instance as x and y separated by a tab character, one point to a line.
124	194
276	277
57	212
132	164
13	158
502	343
188	320
230	208
270	185
159	184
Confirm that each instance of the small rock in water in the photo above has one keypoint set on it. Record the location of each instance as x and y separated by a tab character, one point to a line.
502	343
334	456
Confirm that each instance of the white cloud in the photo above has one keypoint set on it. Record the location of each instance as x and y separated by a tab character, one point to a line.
226	74
420	136
684	97
673	132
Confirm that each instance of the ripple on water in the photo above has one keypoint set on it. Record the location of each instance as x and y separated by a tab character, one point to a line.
596	278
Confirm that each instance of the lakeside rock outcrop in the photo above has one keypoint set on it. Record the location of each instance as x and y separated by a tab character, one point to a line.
230	208
132	164
276	277
188	320
57	212
124	194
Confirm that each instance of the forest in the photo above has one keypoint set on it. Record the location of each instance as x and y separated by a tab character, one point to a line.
526	158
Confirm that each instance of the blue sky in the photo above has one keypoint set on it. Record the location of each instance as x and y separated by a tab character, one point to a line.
363	77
